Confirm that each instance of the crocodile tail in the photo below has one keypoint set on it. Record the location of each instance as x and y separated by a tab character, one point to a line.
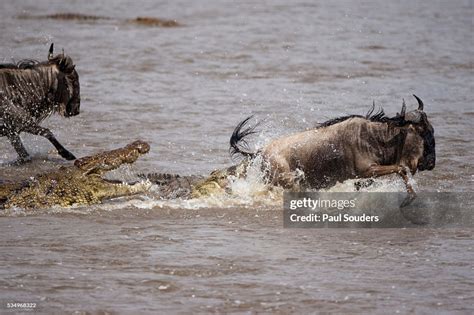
238	143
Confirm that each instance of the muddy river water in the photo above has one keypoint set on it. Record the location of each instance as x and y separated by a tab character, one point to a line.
183	89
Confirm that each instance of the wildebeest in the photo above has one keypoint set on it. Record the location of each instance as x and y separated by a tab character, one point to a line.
347	147
30	91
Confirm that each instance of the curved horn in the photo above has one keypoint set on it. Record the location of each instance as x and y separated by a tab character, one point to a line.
420	102
404	109
50	54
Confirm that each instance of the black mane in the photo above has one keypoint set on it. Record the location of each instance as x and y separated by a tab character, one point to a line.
378	116
22	64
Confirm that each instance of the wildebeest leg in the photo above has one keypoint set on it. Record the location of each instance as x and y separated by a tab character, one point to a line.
381	170
19	147
16	143
283	176
40	131
411	192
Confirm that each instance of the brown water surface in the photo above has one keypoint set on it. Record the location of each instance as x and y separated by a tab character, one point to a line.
183	89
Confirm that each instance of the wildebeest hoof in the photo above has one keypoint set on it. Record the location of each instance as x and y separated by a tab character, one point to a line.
408	200
20	161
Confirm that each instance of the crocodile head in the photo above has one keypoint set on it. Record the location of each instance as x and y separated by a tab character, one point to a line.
79	184
218	181
106	161
172	186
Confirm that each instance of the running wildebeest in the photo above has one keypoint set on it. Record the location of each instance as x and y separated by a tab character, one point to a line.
347	147
30	91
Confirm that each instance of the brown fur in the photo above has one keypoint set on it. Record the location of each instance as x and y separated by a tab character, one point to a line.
335	153
347	147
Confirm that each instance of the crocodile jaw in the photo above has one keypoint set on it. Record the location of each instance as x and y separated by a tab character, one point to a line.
115	190
107	161
80	184
70	191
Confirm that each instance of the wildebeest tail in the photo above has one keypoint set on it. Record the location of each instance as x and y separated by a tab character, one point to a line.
238	144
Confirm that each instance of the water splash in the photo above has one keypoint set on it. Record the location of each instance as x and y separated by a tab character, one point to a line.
254	191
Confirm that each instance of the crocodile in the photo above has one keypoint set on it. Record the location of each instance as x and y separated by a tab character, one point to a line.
172	186
78	184
83	183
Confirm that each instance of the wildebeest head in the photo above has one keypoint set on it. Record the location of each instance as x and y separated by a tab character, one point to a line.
423	135
69	99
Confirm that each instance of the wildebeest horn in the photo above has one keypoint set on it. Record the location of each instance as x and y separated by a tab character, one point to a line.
404	109
50	54
420	102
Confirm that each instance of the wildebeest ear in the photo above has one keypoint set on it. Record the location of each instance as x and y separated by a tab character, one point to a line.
50	53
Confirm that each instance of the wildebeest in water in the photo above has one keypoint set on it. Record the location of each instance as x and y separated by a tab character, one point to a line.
30	91
347	147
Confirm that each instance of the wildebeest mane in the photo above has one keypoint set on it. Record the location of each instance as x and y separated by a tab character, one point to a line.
22	64
378	116
64	62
